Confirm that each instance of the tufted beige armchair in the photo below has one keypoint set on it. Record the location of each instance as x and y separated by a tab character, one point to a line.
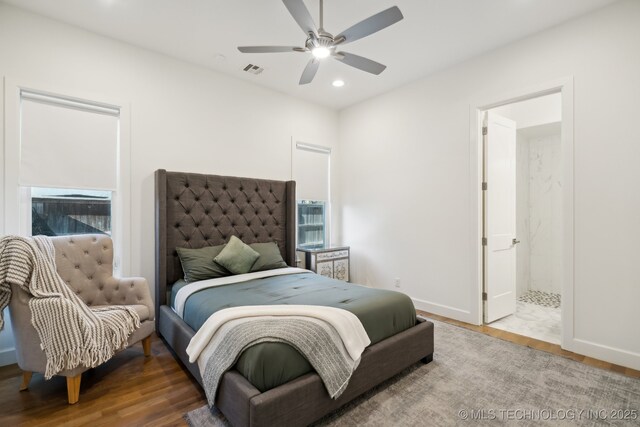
85	262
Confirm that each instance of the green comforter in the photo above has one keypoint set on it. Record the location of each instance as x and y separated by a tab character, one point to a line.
268	365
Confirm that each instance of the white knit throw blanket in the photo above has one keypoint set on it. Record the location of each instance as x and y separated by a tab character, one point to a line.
72	334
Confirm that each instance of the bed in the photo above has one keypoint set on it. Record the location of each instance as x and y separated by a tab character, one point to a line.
196	210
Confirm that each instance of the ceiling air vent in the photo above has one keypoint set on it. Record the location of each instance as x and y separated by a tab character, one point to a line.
253	69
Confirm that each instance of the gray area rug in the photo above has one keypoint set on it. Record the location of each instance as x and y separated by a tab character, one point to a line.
480	380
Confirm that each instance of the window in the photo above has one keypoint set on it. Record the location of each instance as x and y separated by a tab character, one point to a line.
59	212
311	224
67	142
311	171
68	164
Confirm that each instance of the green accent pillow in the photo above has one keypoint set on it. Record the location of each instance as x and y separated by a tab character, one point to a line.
237	256
198	264
270	257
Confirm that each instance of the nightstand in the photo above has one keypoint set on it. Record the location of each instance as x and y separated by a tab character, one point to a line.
329	262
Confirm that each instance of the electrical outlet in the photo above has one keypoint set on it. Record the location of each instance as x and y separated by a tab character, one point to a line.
396	282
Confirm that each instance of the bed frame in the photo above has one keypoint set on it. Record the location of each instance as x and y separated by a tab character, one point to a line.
195	210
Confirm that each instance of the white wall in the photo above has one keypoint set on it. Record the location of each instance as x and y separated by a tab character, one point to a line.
545	213
183	117
405	156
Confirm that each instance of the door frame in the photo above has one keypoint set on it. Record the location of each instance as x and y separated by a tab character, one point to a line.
564	86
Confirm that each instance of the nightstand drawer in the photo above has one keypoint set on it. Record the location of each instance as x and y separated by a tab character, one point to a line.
332	255
328	262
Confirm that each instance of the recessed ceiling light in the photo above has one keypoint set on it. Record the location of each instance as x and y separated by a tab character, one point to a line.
338	83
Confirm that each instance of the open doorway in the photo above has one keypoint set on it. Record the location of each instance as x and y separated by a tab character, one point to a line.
523	217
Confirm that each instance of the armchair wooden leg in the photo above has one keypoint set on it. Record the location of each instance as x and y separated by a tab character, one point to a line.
73	388
146	346
26	378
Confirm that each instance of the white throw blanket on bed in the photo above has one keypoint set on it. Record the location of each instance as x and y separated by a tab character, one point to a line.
332	340
71	333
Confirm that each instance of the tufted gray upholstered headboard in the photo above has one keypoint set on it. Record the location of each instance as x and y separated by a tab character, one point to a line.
195	210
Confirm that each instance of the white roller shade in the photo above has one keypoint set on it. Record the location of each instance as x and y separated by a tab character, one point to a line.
67	144
311	172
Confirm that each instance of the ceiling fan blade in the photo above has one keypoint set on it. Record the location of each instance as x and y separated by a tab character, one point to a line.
310	71
269	49
370	25
301	14
360	62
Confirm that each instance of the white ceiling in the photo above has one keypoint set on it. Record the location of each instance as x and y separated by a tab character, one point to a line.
433	35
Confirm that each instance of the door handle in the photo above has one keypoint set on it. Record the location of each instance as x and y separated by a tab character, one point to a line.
515	241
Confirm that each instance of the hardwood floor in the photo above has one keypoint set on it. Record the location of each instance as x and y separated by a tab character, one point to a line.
132	390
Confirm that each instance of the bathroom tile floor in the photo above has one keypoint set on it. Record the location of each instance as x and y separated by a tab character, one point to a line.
545	299
532	320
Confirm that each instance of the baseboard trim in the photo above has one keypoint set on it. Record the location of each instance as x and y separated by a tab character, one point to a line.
609	354
8	357
444	310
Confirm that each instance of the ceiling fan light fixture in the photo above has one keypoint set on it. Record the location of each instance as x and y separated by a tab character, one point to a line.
322	44
321	52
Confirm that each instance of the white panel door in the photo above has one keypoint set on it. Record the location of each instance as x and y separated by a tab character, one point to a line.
500	218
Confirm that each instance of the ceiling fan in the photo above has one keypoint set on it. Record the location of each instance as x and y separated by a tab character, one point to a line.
322	44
